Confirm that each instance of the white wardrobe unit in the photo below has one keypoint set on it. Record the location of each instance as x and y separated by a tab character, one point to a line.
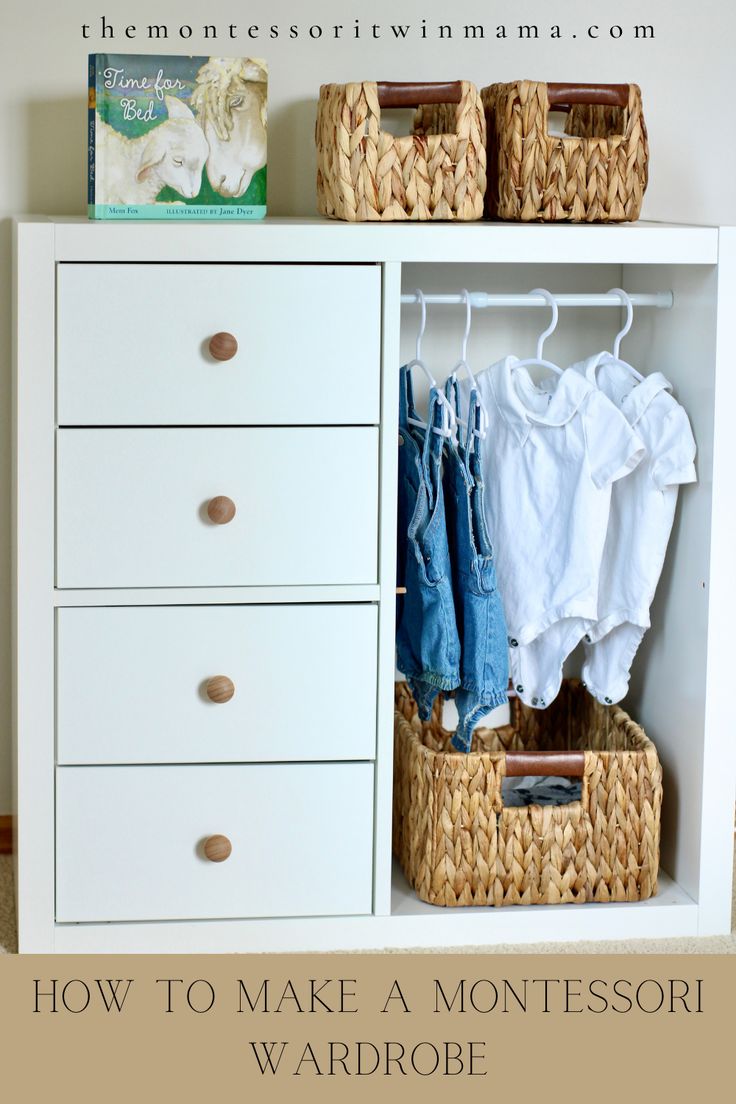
204	573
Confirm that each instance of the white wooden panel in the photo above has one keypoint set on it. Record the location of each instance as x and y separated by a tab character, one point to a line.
387	569
131	683
129	841
719	758
320	240
132	344
32	551
411	924
131	507
669	688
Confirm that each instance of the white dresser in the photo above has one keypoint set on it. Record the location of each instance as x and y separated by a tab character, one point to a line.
205	498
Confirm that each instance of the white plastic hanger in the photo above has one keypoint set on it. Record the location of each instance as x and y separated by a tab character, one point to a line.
481	427
449	420
539	360
616	354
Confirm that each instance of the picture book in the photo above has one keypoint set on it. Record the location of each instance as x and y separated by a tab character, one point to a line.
176	137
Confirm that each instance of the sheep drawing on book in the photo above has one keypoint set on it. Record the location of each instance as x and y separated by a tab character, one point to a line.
171	136
172	155
230	100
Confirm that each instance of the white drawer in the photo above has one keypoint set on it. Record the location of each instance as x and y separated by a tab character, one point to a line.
130	841
133	344
132	507
133	683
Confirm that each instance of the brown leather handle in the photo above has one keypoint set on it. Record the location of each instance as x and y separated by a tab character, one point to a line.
609	95
407	94
559	764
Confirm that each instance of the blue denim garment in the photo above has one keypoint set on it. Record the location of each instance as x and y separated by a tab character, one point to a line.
427	642
484	663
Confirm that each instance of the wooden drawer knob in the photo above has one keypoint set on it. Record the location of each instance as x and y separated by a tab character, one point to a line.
217	848
220	510
223	346
220	689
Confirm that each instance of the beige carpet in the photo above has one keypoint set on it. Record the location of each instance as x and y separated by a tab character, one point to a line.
724	944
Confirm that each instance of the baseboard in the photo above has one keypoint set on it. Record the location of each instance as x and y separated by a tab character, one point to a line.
6	835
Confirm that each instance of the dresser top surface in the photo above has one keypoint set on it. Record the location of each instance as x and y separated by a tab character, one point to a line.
319	240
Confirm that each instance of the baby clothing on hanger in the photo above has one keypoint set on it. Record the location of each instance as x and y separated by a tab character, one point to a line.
551	461
427	642
642	514
484	668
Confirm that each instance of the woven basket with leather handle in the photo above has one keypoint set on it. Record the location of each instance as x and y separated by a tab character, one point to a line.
366	174
459	845
597	172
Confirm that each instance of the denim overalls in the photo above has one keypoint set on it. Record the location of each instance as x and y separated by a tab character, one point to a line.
427	642
484	665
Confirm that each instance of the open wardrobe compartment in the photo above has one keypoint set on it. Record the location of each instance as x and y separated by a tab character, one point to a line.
206	493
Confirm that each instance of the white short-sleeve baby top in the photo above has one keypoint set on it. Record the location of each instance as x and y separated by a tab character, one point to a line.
550	460
642	513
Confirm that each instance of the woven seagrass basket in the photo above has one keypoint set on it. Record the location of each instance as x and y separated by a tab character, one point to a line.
459	845
597	172
366	174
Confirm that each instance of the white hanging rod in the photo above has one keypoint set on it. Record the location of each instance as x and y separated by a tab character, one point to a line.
663	300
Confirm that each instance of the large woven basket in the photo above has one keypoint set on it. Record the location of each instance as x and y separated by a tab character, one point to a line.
597	173
366	174
459	845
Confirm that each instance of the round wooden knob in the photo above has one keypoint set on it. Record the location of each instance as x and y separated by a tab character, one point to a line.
217	848
220	510
223	346
220	689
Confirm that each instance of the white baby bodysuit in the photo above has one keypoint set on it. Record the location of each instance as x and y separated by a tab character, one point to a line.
550	461
642	513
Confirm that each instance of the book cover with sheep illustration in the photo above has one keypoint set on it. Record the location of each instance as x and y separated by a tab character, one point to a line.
176	137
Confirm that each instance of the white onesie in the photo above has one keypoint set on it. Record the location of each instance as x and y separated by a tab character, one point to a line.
550	461
642	513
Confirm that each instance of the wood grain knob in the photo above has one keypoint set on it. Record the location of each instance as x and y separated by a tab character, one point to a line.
220	510
223	346
217	848
220	689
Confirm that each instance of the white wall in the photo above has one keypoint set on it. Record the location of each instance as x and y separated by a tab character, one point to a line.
684	73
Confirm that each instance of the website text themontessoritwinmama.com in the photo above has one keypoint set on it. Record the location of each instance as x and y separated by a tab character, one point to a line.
121	31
